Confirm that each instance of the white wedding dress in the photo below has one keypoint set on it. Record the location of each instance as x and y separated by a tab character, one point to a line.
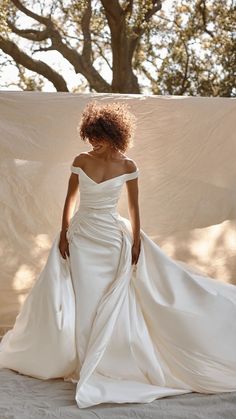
123	333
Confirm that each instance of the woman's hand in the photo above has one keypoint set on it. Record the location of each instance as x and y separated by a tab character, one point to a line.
64	246
135	252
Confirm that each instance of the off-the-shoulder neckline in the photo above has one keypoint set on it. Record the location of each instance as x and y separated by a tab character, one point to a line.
107	180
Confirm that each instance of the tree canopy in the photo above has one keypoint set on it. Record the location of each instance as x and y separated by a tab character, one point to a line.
122	46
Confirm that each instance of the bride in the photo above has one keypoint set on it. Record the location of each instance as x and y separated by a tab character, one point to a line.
111	311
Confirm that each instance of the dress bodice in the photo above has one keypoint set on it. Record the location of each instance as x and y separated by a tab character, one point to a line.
103	195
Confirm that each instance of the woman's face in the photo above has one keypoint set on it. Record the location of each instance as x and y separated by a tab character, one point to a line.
100	145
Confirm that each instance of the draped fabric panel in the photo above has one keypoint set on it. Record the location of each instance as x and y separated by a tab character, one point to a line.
184	147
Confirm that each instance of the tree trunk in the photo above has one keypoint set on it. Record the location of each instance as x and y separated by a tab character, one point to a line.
124	80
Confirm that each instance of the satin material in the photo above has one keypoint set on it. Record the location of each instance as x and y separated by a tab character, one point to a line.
123	333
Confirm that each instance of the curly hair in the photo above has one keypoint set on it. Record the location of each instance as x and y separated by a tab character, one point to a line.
112	122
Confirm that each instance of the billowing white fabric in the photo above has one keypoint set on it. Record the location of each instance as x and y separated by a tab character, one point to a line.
123	333
184	146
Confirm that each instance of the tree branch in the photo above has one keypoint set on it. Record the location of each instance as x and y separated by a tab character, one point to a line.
203	11
79	62
31	34
186	67
41	19
129	8
147	74
113	8
183	84
156	6
101	52
39	67
85	25
41	49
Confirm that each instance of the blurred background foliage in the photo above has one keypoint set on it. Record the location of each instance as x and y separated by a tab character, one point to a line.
121	46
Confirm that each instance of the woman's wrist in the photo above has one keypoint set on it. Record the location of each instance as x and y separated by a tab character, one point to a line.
63	232
136	241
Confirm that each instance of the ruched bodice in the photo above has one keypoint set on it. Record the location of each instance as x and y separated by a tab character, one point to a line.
101	196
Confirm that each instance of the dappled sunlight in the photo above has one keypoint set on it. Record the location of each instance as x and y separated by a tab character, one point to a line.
23	278
21	298
26	276
25	260
210	250
41	242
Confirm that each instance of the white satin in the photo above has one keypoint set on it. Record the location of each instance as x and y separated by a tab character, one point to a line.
123	333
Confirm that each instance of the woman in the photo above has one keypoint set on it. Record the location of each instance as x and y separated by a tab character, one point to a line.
111	311
110	135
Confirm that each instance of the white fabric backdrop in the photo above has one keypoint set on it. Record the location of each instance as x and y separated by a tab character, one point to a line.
184	147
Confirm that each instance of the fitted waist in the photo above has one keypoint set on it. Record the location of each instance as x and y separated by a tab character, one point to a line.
90	218
85	209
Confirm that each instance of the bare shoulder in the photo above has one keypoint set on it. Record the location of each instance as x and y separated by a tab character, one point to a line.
80	159
131	165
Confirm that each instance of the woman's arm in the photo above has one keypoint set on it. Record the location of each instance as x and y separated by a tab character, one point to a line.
133	206
70	202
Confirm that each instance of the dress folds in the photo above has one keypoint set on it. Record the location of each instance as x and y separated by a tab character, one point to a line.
122	332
